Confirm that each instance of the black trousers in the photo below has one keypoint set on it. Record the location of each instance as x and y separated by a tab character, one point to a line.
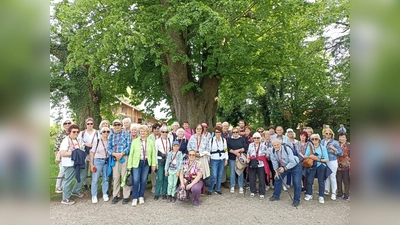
343	176
271	168
261	180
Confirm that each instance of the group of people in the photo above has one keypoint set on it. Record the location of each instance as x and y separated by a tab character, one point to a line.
184	161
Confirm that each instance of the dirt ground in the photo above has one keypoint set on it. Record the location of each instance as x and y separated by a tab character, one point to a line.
224	209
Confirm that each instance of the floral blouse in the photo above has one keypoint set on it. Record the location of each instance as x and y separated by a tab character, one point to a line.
190	171
198	146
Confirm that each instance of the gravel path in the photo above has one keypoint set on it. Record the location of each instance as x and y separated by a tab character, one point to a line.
225	209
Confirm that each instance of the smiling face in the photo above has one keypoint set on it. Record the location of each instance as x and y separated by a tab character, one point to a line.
67	124
117	127
279	131
74	133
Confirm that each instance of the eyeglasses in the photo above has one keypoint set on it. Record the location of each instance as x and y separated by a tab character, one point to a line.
256	138
89	124
75	131
235	132
259	131
217	132
329	133
191	154
164	132
69	123
106	131
117	124
314	139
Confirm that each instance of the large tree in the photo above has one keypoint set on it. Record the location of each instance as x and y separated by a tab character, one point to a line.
181	51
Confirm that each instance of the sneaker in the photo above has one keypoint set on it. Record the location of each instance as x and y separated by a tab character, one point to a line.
346	198
141	200
240	190
79	195
284	188
333	197
209	193
94	199
67	202
106	198
326	192
218	192
232	190
308	197
134	202
273	198
339	195
321	200
153	189
196	204
164	197
115	200
303	189
288	186
155	197
266	188
261	197
58	190
252	195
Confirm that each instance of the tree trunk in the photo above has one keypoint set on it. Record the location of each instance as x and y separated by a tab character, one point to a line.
193	106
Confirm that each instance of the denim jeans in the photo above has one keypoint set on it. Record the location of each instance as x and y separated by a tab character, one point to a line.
320	172
217	167
162	180
101	166
69	173
296	173
233	174
140	179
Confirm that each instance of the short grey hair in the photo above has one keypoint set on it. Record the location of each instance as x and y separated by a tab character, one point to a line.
127	119
225	124
175	123
315	136
164	128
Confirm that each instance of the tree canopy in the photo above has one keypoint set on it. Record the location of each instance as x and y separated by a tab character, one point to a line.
263	60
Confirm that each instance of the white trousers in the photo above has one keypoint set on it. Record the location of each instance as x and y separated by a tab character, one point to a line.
331	180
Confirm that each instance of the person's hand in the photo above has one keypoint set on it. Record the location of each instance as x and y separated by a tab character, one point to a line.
226	162
153	168
166	174
188	187
182	186
281	170
313	157
91	167
88	144
276	175
177	174
157	167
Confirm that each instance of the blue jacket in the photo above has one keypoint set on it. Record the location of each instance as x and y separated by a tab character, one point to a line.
332	156
78	156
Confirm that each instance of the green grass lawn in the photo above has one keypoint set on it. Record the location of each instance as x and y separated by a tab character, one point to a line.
53	173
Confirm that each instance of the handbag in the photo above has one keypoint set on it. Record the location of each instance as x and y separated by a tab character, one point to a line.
181	195
128	178
207	181
308	162
253	164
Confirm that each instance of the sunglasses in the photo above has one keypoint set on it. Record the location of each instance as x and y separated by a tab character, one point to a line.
217	132
256	138
192	155
329	133
314	139
164	132
89	124
74	132
235	132
105	131
259	131
117	124
69	123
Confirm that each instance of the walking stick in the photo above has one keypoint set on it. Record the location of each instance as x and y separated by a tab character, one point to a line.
280	177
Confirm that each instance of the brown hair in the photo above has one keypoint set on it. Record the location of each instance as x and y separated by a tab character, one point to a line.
247	127
218	128
73	126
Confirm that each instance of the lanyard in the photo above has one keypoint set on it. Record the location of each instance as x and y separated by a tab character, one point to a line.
280	158
165	147
74	145
198	143
258	149
144	149
116	143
